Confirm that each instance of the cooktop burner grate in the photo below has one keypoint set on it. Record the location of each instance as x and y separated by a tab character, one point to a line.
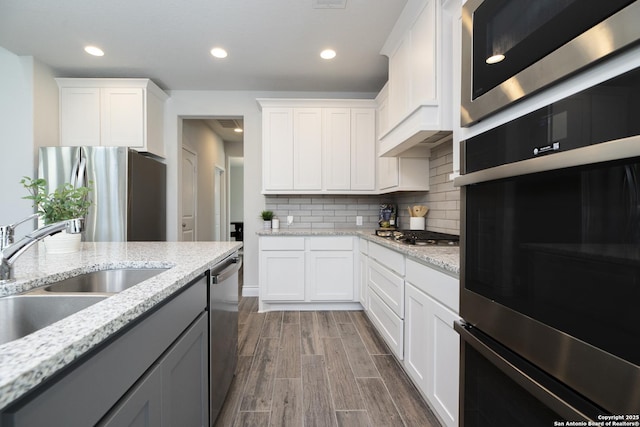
426	238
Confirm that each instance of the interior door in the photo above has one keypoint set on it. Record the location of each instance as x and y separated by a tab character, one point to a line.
218	201
189	194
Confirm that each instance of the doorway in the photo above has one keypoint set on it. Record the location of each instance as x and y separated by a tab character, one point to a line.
214	141
189	194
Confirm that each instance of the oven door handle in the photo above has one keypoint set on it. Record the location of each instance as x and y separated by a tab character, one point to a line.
607	151
519	376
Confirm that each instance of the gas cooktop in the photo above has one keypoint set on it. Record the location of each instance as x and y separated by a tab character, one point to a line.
420	237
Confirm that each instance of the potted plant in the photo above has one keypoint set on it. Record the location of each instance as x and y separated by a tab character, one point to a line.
66	202
267	216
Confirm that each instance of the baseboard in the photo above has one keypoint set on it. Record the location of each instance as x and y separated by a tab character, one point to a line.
253	291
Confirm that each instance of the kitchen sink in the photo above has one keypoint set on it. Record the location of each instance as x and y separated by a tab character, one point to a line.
104	281
21	315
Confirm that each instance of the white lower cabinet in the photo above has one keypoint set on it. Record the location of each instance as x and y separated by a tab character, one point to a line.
307	269
431	345
388	324
388	285
363	272
282	268
432	351
385	295
413	307
330	275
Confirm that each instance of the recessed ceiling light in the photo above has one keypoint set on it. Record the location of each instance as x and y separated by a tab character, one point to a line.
495	59
219	52
95	51
238	130
328	54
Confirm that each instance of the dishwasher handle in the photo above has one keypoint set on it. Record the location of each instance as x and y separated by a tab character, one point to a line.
221	274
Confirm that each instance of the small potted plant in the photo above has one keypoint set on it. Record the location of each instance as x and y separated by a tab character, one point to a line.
66	202
267	216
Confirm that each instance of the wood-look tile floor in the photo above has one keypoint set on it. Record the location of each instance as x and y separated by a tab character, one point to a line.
317	368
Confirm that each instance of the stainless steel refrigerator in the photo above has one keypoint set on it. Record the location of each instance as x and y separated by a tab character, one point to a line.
129	190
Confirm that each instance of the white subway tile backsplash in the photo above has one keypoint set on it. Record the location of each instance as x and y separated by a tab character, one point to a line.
335	211
443	199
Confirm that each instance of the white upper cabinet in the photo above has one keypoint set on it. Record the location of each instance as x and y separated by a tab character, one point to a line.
403	174
318	146
419	105
277	148
79	116
363	152
407	172
307	149
336	135
112	112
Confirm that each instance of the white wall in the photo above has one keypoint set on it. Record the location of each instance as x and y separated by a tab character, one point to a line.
46	116
184	104
28	119
16	134
210	150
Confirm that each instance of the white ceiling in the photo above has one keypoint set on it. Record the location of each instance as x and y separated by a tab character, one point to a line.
272	44
224	128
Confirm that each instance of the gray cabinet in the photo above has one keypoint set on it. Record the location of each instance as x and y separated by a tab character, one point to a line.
185	379
141	407
87	390
174	391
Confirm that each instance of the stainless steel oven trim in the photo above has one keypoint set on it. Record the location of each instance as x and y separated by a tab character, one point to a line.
601	377
520	377
597	153
617	32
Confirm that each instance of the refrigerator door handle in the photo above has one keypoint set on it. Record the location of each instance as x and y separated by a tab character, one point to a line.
82	173
79	170
74	172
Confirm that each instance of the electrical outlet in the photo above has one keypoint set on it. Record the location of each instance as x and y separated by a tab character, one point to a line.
359	220
289	219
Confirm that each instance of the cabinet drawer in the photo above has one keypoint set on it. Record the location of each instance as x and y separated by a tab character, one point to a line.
391	259
388	324
440	286
388	286
330	243
282	243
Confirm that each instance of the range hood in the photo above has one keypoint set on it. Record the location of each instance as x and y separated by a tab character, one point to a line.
415	106
412	132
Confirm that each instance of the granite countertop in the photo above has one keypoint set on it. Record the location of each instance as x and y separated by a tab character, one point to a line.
444	258
28	361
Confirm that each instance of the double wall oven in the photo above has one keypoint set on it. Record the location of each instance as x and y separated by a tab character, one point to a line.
550	255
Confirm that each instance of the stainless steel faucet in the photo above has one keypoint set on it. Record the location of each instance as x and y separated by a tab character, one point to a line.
11	253
7	231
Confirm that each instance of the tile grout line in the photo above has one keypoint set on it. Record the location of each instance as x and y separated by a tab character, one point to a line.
333	402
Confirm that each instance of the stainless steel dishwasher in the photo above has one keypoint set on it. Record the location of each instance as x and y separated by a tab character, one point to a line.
223	331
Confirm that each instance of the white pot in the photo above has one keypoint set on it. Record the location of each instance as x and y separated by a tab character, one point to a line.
416	223
62	243
266	225
275	223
